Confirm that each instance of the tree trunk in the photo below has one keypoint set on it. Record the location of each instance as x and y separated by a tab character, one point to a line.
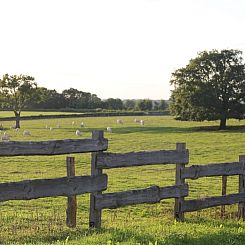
222	124
17	119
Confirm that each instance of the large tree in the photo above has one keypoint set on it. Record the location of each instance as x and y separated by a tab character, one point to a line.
210	87
16	91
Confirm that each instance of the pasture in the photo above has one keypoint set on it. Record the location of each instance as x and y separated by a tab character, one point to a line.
42	221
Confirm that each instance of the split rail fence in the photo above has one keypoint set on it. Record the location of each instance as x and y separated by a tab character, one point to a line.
71	185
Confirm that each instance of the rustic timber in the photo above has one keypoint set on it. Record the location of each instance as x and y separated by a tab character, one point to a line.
223	193
179	180
241	205
217	169
130	159
71	211
152	194
94	214
52	147
198	204
66	186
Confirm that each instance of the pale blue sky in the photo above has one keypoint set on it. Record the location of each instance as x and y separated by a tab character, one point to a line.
125	49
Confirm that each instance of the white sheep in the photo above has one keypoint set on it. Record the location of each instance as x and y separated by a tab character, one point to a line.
17	129
5	137
26	133
119	121
82	125
142	122
136	120
46	126
73	123
78	133
51	129
109	129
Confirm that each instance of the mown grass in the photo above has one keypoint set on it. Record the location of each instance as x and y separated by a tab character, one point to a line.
42	221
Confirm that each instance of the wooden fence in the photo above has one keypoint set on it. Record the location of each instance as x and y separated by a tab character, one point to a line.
96	183
154	194
216	169
69	186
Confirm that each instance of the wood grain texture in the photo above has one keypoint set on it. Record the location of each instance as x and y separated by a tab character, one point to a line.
241	188
178	213
66	186
217	169
130	159
52	147
152	194
95	215
223	193
198	204
71	211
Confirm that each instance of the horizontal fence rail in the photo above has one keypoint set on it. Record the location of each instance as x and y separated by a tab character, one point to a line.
208	202
52	147
66	186
131	159
152	194
217	169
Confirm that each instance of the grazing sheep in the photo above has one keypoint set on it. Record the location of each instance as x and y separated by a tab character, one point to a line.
26	133
73	123
78	133
5	137
82	125
109	129
50	128
17	129
119	121
142	122
136	120
12	127
46	126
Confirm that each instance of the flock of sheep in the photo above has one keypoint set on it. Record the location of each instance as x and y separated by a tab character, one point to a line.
6	137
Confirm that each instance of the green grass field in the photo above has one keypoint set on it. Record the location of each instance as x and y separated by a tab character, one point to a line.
42	221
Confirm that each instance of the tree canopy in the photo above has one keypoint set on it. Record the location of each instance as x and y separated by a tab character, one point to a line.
210	87
16	91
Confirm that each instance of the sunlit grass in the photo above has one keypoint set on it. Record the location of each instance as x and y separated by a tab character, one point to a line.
42	221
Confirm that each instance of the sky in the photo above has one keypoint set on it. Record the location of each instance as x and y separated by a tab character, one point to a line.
114	48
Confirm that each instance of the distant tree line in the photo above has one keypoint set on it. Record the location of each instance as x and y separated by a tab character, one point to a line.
43	98
74	99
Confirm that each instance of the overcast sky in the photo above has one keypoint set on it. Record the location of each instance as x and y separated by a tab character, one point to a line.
114	48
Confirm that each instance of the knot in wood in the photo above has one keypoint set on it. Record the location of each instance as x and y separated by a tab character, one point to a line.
196	171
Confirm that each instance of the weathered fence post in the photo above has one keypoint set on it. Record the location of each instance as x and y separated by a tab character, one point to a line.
71	210
95	215
241	206
178	213
224	185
